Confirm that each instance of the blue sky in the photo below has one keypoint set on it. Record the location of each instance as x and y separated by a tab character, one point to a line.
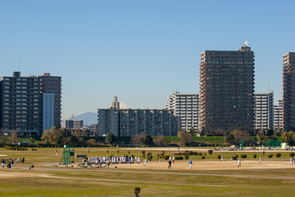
139	50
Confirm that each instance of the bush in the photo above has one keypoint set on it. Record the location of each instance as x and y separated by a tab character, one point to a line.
186	156
203	157
210	152
254	156
270	156
218	156
243	156
178	158
278	155
236	156
291	154
177	154
166	157
204	153
200	154
195	153
33	149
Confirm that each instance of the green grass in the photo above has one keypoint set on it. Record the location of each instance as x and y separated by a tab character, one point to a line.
111	182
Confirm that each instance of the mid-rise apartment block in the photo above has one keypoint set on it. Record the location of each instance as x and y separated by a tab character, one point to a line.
227	89
129	122
72	124
263	110
289	91
278	115
185	106
27	105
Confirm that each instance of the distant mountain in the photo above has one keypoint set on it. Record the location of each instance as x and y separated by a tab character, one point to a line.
88	118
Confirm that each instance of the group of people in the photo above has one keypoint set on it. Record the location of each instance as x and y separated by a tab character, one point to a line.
9	162
113	159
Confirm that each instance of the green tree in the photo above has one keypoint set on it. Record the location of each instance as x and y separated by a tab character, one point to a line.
147	140
73	139
110	139
185	137
229	138
192	131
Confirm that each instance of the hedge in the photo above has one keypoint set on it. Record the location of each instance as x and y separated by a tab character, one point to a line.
243	156
178	158
270	156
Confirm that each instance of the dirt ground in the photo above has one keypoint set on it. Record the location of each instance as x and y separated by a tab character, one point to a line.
208	165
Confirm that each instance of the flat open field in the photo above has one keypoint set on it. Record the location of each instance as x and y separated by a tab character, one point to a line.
208	177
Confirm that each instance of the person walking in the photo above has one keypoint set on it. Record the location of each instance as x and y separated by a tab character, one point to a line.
12	163
260	159
239	163
173	159
190	164
291	161
3	161
221	158
169	164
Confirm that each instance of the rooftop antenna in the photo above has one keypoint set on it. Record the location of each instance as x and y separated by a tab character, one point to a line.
246	43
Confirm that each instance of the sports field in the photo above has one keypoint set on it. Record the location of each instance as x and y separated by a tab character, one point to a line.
208	177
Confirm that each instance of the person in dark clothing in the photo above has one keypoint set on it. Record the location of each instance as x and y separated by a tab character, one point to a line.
169	162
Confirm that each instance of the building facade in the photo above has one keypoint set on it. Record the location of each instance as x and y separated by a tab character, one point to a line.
25	106
186	106
278	115
263	110
52	84
129	122
289	91
72	124
227	89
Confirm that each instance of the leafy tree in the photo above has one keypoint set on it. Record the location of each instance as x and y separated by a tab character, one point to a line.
192	131
229	138
159	140
147	140
288	137
110	139
73	139
185	137
137	139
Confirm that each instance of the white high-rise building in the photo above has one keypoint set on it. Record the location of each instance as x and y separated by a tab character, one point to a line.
263	110
185	106
278	115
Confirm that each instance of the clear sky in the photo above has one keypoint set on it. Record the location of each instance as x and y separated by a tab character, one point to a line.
140	51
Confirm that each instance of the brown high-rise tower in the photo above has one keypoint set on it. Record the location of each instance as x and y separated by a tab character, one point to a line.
289	91
227	89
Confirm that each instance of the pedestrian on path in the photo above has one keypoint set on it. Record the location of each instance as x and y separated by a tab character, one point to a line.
260	159
2	163
221	158
239	163
173	159
190	164
169	164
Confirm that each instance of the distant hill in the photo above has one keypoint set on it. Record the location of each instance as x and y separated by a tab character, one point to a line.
88	118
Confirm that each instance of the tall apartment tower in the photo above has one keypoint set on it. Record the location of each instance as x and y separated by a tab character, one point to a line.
263	110
227	89
27	104
52	84
289	91
185	106
278	115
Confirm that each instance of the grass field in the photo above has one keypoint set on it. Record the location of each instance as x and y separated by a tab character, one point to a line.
209	176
